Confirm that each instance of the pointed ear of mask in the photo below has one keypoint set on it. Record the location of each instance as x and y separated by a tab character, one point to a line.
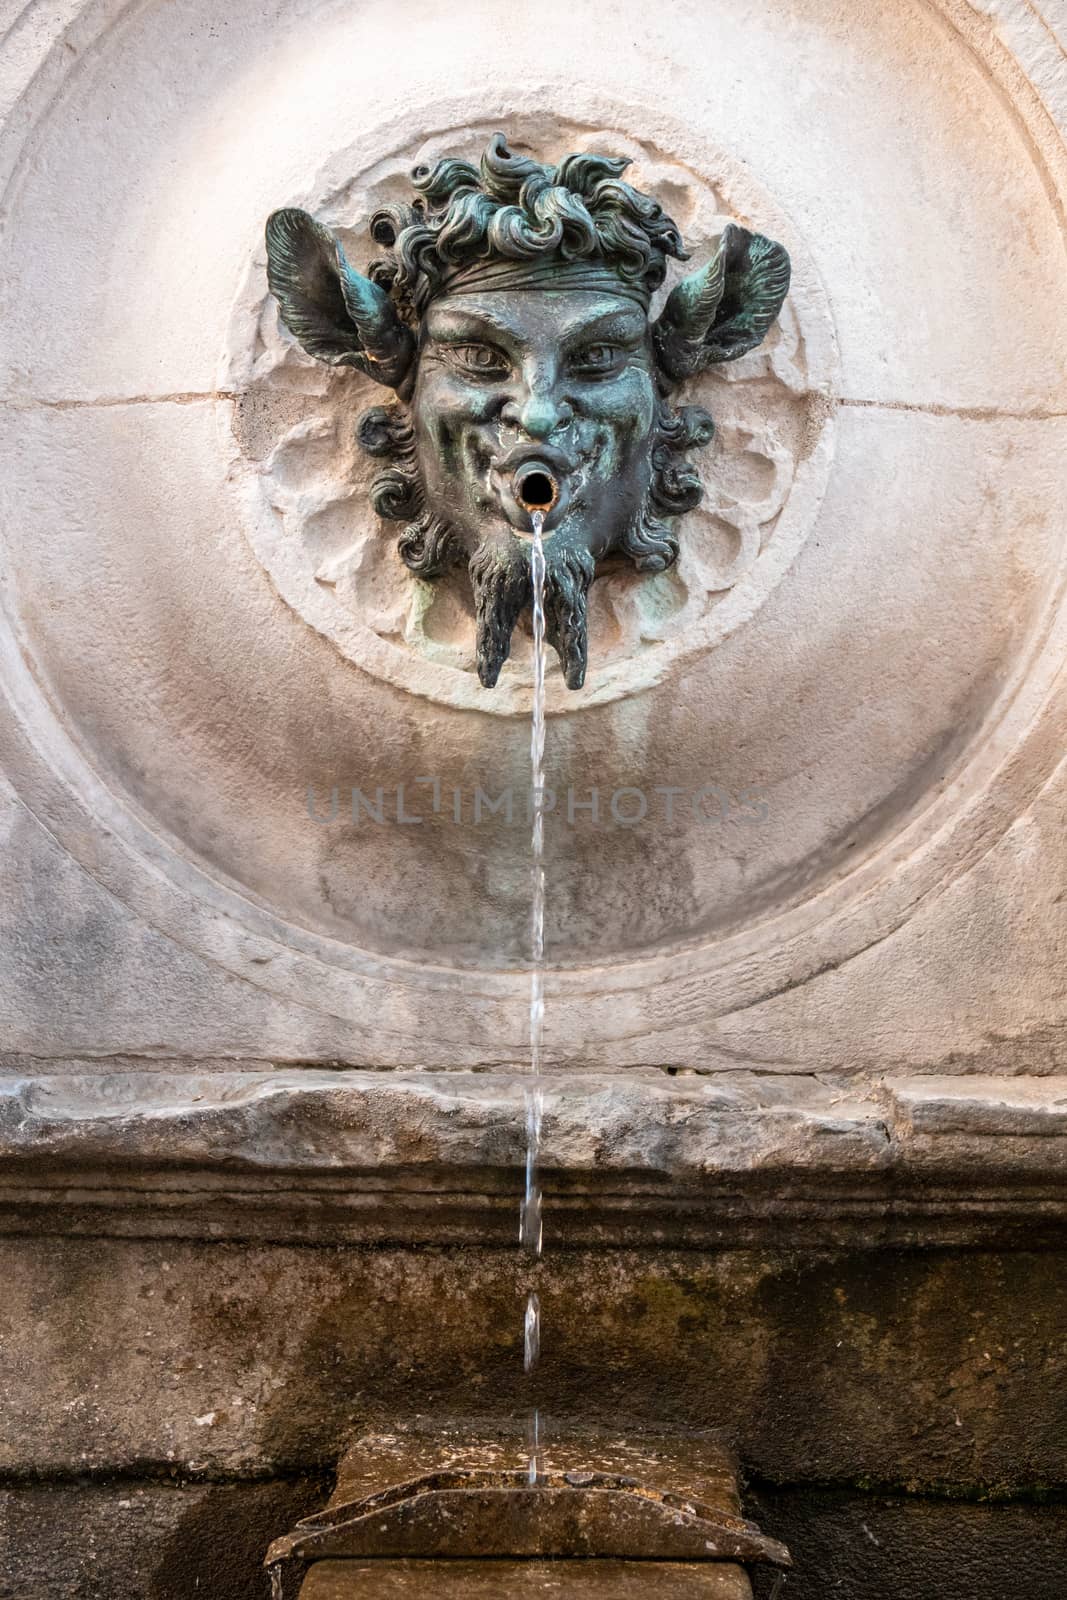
337	315
725	309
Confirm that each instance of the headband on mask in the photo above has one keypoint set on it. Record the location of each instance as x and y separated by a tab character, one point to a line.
542	272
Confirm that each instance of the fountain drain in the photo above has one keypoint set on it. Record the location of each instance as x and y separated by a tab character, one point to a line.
600	1513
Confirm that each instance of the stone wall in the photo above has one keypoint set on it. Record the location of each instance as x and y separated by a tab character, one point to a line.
203	621
260	1109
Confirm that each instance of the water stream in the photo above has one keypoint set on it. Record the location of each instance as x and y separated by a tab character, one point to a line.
530	1220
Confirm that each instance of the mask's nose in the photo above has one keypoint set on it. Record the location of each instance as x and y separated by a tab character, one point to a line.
540	413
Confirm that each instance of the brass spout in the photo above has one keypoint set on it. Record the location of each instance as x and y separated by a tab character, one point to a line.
535	487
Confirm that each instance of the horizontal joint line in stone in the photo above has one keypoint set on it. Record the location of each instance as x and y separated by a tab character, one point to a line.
103	402
931	408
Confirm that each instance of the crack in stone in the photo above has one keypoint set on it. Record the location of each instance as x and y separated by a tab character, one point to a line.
931	408
104	402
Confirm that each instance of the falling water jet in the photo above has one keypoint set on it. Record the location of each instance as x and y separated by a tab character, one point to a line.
532	1333
531	1233
533	1445
530	1224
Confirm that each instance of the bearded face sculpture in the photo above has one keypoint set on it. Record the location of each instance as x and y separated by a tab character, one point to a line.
511	318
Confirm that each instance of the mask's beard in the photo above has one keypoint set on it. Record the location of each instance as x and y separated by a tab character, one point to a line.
567	578
500	578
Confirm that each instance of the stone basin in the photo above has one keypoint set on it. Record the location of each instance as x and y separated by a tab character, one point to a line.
611	1514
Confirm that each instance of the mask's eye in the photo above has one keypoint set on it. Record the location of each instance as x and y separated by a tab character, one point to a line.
484	360
594	359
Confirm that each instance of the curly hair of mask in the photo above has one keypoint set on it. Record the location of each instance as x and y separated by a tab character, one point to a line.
513	208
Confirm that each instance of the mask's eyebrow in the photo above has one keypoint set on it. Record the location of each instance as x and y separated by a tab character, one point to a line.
619	325
455	326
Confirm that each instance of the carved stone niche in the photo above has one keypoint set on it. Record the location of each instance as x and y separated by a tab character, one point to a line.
840	705
819	1014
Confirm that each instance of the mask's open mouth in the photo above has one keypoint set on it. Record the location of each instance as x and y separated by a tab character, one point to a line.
535	487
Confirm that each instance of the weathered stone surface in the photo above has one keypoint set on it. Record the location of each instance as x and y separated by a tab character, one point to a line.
161	1542
144	1540
255	1060
892	1365
380	1157
348	1121
382	1160
975	1108
909	1548
883	671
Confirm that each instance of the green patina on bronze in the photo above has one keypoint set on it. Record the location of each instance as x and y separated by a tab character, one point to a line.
511	318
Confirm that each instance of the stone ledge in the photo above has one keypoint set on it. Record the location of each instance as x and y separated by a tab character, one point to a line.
980	1107
408	1158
